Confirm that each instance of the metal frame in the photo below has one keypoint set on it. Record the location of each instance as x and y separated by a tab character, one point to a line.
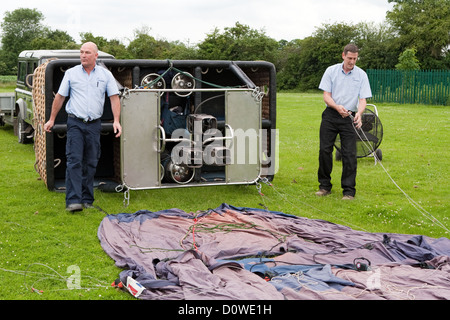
137	68
157	129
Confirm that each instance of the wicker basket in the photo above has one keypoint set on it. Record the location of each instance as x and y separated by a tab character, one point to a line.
38	92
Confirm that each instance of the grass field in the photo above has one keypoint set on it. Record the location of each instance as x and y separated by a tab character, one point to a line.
7	83
41	245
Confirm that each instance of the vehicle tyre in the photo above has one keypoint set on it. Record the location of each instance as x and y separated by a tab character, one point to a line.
23	130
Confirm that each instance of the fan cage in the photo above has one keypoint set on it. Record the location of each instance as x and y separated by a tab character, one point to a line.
369	135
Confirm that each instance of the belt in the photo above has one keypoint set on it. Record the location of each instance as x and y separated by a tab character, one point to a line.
81	119
353	113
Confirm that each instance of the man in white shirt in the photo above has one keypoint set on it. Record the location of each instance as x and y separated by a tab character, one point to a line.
345	90
86	84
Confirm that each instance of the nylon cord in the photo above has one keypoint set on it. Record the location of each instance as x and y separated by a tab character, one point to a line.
417	206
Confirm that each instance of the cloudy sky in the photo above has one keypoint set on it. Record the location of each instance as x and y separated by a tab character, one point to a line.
190	20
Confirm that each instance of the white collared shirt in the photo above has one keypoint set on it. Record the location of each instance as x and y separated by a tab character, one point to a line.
87	91
346	88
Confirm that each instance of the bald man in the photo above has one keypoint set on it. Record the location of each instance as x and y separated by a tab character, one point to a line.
86	84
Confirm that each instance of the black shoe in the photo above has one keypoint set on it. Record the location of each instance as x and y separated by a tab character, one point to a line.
74	207
88	205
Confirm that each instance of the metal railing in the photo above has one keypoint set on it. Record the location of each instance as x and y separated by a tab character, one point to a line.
415	86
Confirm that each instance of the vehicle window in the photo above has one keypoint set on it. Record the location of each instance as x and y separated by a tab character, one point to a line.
22	71
31	67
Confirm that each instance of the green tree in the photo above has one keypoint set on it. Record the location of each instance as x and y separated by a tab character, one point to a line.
239	42
145	46
425	25
113	47
19	28
308	59
54	39
101	42
408	61
379	46
180	51
288	73
117	49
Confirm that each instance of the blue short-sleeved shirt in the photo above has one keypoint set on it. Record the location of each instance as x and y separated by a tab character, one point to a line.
346	89
87	91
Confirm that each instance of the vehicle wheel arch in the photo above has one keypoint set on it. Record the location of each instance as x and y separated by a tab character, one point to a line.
20	109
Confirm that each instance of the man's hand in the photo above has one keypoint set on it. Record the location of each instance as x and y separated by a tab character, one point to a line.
49	125
342	111
115	108
357	121
117	128
56	106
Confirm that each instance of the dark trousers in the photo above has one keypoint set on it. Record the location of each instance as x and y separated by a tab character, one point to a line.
333	124
83	153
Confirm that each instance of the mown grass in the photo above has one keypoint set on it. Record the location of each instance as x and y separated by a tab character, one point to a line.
7	83
39	240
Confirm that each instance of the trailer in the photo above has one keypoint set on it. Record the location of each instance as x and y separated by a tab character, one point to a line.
7	101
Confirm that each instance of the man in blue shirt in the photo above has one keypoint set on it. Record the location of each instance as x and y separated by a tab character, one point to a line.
345	90
86	84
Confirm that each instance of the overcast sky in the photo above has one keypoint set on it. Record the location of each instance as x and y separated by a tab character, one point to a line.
190	20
